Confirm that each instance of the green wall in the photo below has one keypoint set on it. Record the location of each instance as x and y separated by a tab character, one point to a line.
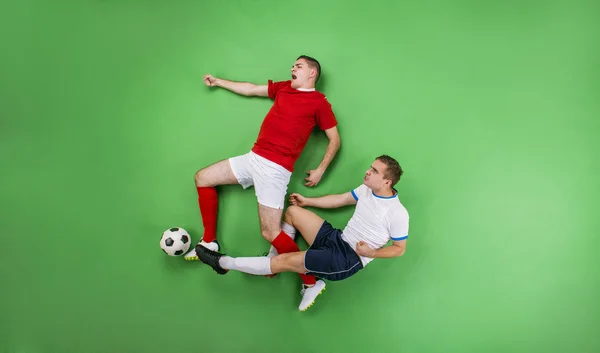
490	107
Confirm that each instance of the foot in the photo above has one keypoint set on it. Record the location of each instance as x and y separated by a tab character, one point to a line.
309	294
192	256
210	257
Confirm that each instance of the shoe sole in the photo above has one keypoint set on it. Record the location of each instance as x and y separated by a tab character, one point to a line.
311	304
195	258
192	257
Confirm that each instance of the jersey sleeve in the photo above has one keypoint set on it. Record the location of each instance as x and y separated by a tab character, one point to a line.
325	117
274	87
359	191
399	225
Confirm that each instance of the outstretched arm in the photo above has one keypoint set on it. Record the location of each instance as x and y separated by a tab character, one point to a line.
315	175
328	201
242	88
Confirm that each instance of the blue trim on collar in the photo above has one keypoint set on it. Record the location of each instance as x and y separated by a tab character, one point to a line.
386	197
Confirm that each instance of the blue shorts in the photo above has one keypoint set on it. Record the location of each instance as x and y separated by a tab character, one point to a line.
330	257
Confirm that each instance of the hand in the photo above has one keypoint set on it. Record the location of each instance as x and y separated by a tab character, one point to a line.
313	178
363	249
209	80
298	200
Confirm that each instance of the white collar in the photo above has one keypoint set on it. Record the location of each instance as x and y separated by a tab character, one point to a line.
306	89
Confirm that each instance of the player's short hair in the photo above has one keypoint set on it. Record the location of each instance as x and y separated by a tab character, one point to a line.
393	171
313	64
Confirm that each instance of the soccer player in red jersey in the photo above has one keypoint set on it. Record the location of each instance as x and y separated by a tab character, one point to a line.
297	109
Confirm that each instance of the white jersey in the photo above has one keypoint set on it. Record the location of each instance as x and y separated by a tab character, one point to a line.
376	220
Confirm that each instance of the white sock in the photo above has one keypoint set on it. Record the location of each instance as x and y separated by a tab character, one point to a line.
287	229
253	265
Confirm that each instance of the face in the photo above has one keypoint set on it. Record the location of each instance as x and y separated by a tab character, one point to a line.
302	74
374	177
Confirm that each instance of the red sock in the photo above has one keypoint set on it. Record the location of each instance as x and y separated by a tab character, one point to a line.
209	203
283	244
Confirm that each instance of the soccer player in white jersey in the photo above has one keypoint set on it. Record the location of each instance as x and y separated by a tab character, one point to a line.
334	254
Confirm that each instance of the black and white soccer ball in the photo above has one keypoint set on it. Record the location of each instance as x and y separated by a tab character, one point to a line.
175	241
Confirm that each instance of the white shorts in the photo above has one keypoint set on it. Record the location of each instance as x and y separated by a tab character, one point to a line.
270	180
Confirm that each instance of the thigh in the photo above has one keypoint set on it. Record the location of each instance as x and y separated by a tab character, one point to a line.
219	173
288	262
306	222
241	170
270	181
270	221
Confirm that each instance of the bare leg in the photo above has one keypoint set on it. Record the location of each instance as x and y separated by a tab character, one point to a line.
271	230
307	222
219	173
207	179
270	222
260	265
288	262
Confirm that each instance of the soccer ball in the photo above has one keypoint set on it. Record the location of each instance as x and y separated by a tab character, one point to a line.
175	241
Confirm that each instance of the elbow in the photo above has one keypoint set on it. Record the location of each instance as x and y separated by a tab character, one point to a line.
335	142
249	89
400	251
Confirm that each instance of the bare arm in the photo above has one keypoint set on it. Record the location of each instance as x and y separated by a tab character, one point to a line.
243	88
329	201
332	148
396	249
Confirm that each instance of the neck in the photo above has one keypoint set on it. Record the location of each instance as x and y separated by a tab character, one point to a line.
306	87
384	192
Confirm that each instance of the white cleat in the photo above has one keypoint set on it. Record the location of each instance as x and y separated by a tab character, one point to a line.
192	256
309	294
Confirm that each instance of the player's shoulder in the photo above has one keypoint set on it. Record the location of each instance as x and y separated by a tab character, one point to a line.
398	209
321	96
359	192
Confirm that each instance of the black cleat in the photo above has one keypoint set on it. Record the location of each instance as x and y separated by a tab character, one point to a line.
211	258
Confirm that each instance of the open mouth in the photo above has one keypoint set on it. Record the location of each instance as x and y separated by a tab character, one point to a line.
294	77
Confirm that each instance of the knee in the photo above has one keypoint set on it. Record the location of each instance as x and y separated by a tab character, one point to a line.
270	235
290	212
200	178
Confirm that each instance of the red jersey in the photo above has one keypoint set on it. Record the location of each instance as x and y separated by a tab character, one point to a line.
290	121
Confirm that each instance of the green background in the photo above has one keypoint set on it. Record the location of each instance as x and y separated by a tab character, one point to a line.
491	108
